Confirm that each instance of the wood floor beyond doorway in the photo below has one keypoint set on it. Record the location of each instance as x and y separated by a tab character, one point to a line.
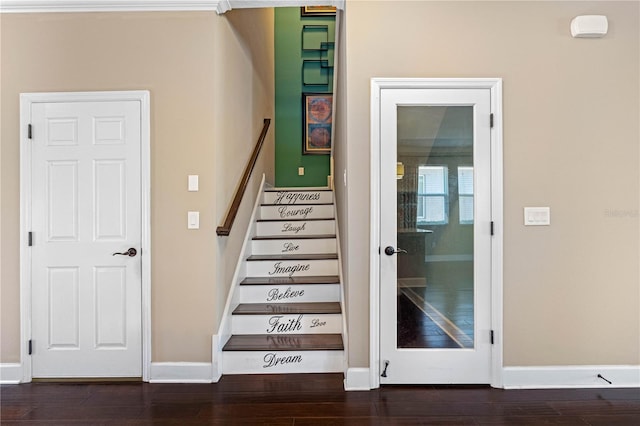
309	399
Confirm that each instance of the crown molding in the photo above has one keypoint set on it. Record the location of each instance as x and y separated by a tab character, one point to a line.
219	6
70	6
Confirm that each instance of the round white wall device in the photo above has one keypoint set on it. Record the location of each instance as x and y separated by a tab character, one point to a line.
589	26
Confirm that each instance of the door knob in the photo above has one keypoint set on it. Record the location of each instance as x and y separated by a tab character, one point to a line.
391	251
131	253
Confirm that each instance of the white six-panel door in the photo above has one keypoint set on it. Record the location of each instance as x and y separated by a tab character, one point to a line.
86	206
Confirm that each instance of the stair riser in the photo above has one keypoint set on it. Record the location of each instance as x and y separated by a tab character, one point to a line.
288	212
287	324
292	268
290	293
274	362
295	228
297	197
295	246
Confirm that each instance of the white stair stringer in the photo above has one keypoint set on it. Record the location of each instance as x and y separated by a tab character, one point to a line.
224	330
286	313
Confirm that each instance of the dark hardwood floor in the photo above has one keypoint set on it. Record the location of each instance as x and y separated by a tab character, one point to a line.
309	399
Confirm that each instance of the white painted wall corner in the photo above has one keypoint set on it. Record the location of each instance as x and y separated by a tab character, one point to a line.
357	379
181	372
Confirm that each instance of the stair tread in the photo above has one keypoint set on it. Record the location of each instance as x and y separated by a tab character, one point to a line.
258	257
300	189
288	308
295	220
280	342
320	279
297	237
294	205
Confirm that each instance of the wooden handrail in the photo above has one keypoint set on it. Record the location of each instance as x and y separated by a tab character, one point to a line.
225	229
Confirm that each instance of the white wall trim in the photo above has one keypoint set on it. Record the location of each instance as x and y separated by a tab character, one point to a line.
497	243
343	307
219	6
357	379
26	100
10	373
180	372
47	6
495	86
572	376
244	4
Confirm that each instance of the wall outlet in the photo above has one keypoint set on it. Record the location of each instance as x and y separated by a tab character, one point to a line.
300	171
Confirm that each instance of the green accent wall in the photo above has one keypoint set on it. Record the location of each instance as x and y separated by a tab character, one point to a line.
289	88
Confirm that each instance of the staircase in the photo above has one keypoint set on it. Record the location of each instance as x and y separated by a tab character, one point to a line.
285	314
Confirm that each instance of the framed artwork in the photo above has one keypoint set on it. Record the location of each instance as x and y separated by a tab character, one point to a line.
317	117
317	11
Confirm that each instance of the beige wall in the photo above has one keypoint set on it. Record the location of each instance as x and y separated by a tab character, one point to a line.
211	84
340	157
571	136
571	142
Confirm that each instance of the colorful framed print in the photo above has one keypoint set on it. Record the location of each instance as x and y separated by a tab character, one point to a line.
317	117
317	11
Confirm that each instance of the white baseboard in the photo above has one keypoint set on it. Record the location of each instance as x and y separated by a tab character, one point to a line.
10	373
544	377
357	379
181	372
571	376
216	359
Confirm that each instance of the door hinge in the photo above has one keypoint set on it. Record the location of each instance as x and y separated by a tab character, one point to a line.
30	347
491	227
491	337
491	120
30	239
30	131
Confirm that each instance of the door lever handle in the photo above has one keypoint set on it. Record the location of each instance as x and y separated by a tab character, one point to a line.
131	253
389	250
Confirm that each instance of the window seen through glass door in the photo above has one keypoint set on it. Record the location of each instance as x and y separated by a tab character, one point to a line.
433	195
465	194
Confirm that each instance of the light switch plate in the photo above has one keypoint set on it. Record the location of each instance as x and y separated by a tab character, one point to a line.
300	171
537	216
193	220
193	183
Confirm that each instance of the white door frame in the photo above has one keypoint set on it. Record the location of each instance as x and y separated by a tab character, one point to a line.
495	87
26	101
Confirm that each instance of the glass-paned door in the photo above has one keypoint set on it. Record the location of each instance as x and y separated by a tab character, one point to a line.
435	230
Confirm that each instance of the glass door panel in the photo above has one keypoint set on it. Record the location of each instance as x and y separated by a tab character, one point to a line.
435	306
